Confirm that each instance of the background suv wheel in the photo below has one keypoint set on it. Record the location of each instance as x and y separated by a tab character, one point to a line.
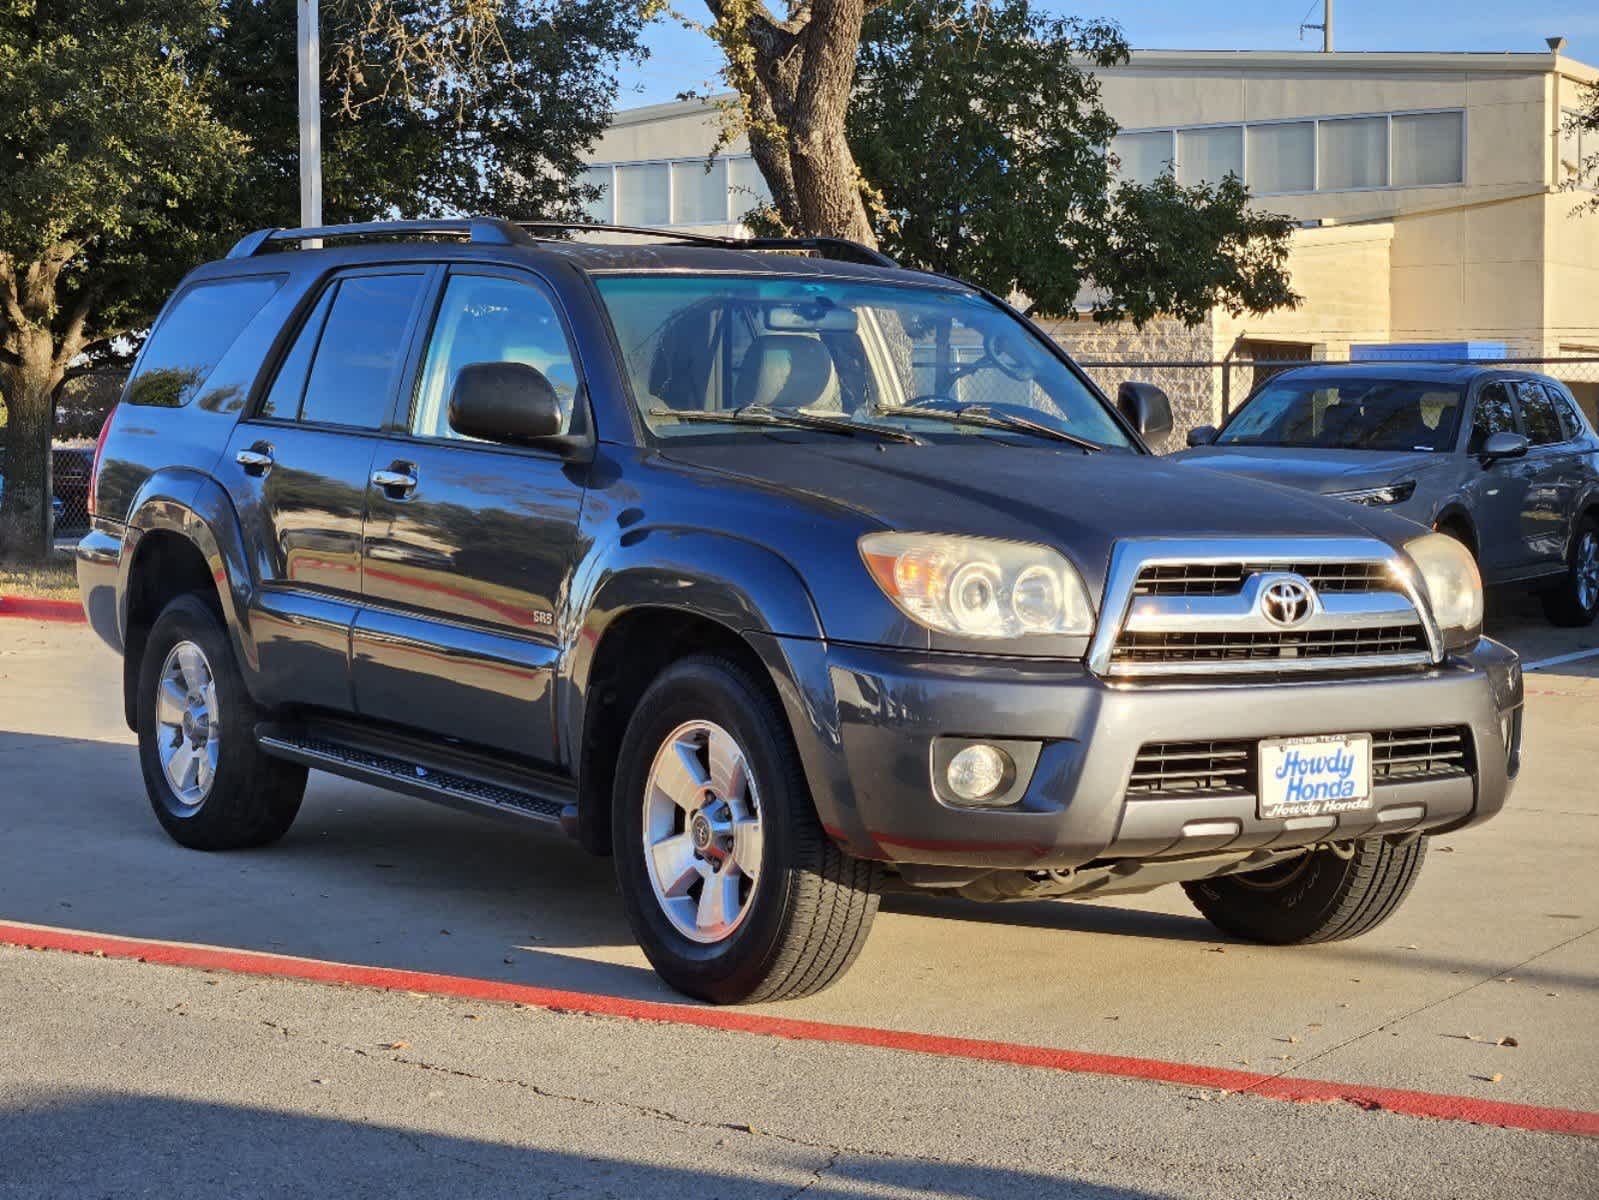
1574	601
731	887
210	786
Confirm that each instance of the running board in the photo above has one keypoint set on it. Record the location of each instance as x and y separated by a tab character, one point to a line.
464	781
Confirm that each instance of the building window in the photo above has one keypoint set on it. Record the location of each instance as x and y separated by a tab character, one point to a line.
1210	155
643	194
1282	158
1427	148
746	185
1352	153
1325	154
598	209
699	197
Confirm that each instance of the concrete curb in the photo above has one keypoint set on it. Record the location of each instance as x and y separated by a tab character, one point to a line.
29	609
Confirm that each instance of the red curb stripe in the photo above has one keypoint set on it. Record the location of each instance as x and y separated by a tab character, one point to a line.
42	610
1439	1106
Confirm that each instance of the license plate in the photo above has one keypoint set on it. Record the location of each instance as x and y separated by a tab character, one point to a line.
1314	776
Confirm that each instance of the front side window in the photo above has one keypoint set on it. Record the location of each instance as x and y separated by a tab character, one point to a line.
1539	421
711	344
1349	413
488	319
1495	414
194	335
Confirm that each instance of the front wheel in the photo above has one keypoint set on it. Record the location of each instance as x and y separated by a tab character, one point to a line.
1324	895
1574	601
732	888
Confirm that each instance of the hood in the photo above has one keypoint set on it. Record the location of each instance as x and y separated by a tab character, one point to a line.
1080	503
1311	470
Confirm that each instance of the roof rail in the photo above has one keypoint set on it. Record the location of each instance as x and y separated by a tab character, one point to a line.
840	249
492	231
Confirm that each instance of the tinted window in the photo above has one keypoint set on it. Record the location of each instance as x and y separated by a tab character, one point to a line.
289	386
360	350
1538	418
1495	414
1570	424
1356	412
481	319
194	335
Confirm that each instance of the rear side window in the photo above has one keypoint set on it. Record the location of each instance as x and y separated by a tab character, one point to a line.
194	335
1570	425
1539	420
342	367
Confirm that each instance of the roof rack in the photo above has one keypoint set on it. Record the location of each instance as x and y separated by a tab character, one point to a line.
840	249
492	231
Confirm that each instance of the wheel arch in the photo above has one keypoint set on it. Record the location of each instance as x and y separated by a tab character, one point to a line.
1454	516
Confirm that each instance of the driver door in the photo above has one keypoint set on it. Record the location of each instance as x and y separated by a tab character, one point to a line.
1498	492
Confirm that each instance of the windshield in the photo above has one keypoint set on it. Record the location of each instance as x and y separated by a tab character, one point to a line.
697	346
1352	413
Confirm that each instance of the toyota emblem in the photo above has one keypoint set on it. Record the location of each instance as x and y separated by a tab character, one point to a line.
1286	602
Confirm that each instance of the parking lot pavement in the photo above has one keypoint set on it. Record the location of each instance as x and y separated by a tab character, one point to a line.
1500	939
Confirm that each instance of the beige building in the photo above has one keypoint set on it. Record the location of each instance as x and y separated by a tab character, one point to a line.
1433	192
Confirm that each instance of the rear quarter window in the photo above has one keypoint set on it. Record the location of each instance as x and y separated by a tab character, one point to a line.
193	335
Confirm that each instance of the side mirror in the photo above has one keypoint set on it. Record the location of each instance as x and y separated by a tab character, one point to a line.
1503	444
1202	435
1146	406
507	402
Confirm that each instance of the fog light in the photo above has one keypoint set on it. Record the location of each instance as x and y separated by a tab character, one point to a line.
979	772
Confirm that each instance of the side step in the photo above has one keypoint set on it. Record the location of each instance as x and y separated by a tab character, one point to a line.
459	779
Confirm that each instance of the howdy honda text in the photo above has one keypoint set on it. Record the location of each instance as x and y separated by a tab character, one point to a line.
1313	777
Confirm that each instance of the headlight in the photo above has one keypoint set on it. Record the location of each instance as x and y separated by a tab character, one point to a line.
1393	493
1454	588
979	587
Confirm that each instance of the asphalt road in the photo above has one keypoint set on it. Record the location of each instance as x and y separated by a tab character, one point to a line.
121	1078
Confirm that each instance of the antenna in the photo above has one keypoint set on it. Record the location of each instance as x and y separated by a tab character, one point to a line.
1326	27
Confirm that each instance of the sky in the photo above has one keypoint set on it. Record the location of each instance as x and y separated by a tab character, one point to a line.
684	59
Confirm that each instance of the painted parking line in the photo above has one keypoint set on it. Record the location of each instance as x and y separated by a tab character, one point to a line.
1557	660
26	607
1275	1087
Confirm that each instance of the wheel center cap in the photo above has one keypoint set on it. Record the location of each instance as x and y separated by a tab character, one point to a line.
699	829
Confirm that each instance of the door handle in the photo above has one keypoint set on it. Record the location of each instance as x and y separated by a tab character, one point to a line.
398	481
257	460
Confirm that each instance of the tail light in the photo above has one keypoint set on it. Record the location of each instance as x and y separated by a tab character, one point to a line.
94	469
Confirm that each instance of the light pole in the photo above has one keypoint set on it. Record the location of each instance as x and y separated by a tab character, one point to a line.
309	41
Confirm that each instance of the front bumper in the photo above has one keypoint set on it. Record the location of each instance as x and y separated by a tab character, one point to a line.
866	719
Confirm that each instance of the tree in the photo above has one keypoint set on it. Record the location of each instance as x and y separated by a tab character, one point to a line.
793	77
1580	147
981	131
109	150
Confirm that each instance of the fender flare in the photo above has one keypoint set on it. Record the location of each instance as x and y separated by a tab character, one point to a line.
1455	513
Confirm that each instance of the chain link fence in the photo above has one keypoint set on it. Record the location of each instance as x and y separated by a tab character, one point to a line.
1207	392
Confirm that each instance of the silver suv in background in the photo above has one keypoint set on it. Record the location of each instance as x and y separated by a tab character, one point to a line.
1505	461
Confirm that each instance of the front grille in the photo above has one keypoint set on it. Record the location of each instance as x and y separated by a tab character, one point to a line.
1228	767
1258	646
1225	579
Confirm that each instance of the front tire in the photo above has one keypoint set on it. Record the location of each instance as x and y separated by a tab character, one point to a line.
732	888
1574	601
210	785
1320	896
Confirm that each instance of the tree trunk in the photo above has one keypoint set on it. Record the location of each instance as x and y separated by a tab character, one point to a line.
26	518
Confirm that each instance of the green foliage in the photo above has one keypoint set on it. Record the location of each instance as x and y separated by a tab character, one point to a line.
986	150
1581	133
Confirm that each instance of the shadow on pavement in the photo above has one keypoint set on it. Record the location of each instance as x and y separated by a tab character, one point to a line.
104	1144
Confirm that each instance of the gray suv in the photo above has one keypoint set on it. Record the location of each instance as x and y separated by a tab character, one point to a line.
1503	460
775	572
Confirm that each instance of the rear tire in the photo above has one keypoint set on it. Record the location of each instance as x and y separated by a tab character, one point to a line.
1317	897
210	785
684	820
1574	601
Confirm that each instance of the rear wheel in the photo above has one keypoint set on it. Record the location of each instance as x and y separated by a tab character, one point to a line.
210	786
1323	896
1574	602
731	886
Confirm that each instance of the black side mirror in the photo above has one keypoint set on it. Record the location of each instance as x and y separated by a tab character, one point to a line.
1146	407
509	402
1202	435
1503	444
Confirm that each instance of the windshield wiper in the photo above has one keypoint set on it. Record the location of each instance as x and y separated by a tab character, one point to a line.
988	418
762	414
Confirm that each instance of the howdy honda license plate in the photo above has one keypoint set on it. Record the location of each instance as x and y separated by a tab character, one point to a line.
1314	776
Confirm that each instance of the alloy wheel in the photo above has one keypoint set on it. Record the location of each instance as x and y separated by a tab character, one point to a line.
1587	570
188	724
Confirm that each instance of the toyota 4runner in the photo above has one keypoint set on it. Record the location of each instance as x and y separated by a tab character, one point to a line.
773	571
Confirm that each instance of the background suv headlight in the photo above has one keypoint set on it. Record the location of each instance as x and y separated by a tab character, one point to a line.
1390	493
979	587
1453	585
